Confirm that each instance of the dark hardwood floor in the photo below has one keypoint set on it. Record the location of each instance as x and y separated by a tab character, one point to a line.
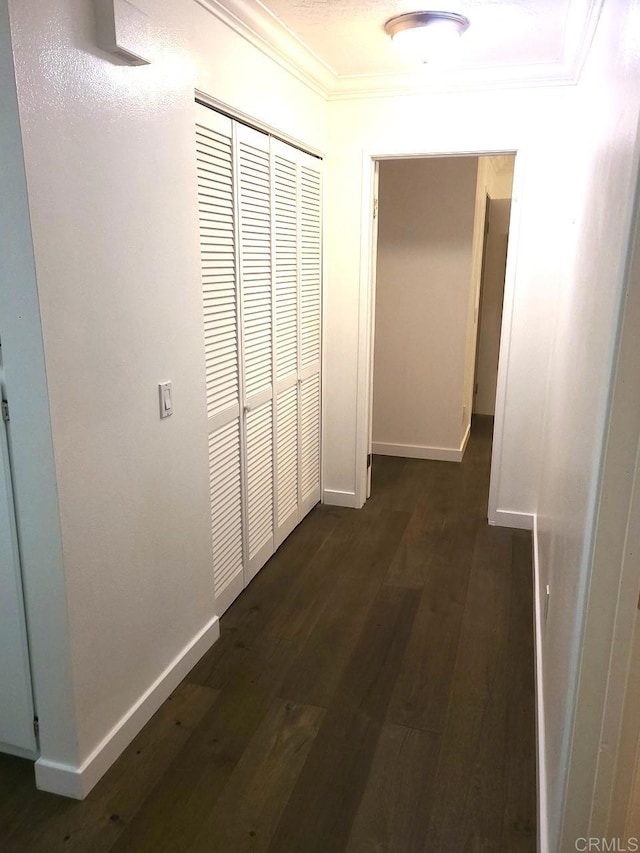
372	691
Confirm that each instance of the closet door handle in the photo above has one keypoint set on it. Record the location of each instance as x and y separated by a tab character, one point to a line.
246	409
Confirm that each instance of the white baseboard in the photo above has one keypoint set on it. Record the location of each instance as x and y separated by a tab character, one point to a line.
335	497
506	518
543	819
76	782
417	451
465	440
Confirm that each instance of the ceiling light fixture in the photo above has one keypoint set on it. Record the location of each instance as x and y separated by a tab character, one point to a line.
426	36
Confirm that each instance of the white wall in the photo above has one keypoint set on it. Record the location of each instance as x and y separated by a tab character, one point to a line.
109	153
597	147
617	545
491	298
461	122
423	283
231	70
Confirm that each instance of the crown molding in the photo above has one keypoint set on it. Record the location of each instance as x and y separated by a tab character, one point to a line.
261	28
579	36
455	80
257	25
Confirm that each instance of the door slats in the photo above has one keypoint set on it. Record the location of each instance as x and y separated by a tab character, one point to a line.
260	215
255	265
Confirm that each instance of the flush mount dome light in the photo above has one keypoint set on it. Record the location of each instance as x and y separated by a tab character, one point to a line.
424	36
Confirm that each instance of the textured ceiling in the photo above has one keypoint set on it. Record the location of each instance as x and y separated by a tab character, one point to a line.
348	35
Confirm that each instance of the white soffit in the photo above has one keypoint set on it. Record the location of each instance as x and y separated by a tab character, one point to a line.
340	49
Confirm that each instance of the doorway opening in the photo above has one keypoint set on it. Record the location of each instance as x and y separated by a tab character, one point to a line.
439	250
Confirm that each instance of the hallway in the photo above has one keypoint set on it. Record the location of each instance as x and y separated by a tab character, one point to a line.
372	690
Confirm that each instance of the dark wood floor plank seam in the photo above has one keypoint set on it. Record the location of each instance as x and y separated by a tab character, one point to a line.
421	697
171	814
246	813
325	799
468	777
396	805
325	653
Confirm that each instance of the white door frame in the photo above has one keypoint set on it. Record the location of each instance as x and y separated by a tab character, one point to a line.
17	733
366	312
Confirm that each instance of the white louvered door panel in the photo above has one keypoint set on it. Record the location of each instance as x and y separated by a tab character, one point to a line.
260	236
287	503
286	228
254	181
310	264
309	423
225	489
215	175
256	286
310	317
259	427
286	222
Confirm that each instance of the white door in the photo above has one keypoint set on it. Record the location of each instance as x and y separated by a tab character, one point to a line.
220	291
16	701
260	236
253	163
286	272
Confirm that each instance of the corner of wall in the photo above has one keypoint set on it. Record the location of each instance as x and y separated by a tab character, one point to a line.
76	781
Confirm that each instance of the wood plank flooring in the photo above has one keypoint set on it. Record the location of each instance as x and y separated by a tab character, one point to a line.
372	692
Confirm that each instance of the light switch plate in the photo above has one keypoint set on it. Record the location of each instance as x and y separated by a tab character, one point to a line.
166	399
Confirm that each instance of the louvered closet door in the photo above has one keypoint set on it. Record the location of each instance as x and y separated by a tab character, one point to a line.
254	211
214	152
310	294
284	166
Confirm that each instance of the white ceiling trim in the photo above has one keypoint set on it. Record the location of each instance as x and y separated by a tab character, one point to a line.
264	31
255	23
455	80
579	38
